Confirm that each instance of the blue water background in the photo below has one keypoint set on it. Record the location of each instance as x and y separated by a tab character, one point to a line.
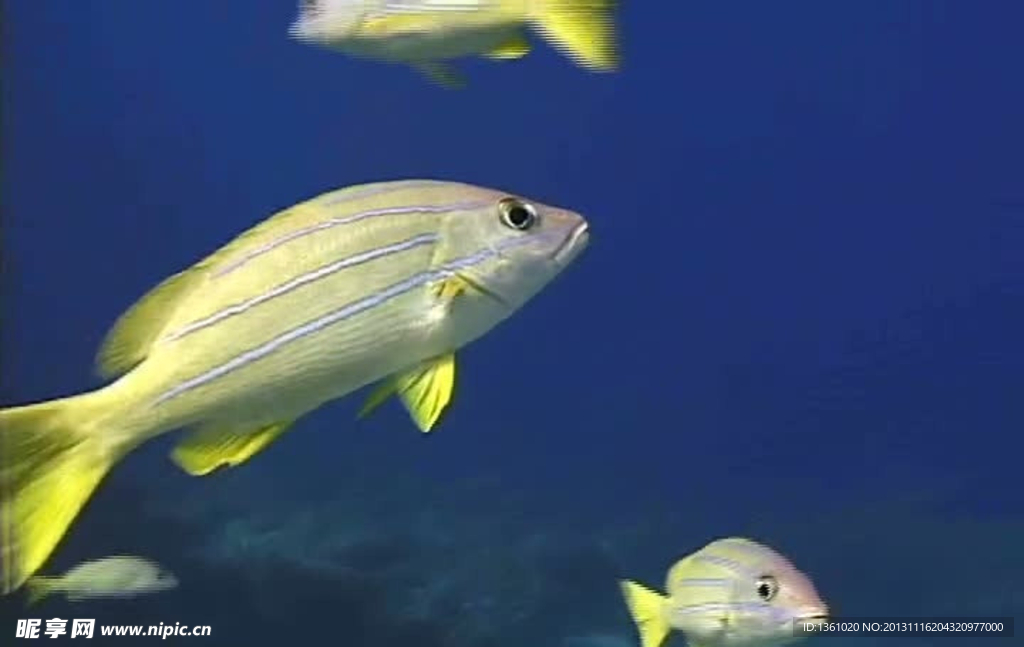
799	318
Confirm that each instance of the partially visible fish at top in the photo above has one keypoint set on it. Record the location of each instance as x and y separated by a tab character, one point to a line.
733	592
428	34
377	283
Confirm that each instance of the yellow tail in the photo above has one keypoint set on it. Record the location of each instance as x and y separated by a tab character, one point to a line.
52	457
647	609
584	30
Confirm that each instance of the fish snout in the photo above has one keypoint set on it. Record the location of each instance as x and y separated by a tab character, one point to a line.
575	242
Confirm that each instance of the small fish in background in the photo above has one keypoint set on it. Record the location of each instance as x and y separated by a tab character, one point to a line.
428	34
377	283
734	592
117	577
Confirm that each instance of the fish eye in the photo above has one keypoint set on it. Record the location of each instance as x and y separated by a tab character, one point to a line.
517	214
767	587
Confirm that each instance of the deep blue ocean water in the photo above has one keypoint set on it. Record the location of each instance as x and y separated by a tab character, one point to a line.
799	318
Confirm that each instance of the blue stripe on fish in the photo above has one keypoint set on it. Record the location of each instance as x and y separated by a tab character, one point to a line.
335	222
361	305
725	562
354	308
703	581
309	277
781	613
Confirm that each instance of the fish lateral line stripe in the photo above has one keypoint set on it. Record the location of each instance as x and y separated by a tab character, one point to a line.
304	279
716	607
349	310
336	222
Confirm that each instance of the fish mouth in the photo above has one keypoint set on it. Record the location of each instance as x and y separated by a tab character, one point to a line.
807	623
573	243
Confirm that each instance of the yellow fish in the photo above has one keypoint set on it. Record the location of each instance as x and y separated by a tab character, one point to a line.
118	577
734	592
427	34
379	282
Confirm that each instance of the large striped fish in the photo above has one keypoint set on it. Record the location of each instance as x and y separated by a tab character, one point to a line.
373	283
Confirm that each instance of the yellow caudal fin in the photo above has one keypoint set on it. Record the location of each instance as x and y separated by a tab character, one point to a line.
584	30
425	391
205	449
52	457
39	587
647	609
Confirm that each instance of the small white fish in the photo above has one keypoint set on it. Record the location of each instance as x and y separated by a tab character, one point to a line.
734	592
108	578
426	34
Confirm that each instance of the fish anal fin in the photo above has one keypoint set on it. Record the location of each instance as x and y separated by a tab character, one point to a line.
513	48
206	448
441	74
582	29
425	391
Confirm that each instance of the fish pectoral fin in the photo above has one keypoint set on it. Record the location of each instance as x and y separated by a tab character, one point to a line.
442	74
204	449
456	285
425	391
646	607
513	48
583	29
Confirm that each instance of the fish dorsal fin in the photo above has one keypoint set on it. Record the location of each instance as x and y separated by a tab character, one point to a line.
206	448
425	391
515	47
583	29
132	335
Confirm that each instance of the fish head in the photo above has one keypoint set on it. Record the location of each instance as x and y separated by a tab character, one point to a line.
739	593
505	249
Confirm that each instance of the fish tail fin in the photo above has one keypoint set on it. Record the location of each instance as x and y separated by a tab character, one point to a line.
584	30
39	587
52	458
647	610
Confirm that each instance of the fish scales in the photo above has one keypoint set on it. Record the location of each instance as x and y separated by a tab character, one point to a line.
349	252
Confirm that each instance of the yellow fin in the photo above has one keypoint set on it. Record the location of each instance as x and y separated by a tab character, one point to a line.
132	335
515	47
51	461
205	449
39	587
449	289
582	29
130	338
442	74
646	608
425	391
